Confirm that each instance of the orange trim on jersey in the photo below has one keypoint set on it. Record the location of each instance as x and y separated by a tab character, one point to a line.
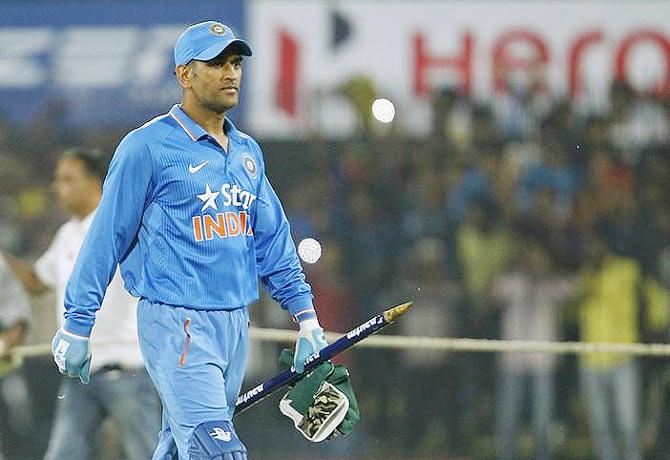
186	347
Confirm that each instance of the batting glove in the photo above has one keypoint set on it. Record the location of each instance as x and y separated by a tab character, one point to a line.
310	340
72	354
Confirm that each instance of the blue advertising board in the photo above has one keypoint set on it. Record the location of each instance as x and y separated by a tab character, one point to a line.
97	62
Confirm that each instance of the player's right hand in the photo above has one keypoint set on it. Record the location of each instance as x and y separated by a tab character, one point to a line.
72	354
310	340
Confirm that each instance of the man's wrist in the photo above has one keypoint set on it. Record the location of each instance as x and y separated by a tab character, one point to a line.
305	314
64	331
77	328
310	324
299	304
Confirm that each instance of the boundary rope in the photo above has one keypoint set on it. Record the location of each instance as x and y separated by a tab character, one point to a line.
435	343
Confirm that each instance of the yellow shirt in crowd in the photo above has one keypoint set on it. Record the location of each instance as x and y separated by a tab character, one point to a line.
609	310
484	255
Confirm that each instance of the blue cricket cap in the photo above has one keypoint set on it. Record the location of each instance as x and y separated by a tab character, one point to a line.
205	41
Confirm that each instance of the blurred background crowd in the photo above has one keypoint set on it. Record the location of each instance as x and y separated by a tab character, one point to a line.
521	218
498	224
536	223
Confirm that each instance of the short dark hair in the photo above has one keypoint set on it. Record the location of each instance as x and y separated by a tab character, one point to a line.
95	161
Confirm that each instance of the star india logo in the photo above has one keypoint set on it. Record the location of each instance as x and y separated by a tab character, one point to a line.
217	29
226	223
221	434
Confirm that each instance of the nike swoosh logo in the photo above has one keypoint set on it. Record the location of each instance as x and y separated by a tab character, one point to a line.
194	169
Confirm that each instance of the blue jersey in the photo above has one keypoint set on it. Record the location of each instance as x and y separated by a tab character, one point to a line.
190	224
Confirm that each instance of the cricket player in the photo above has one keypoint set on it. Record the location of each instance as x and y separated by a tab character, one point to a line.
120	388
188	213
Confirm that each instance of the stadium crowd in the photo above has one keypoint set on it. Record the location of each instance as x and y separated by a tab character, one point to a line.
522	219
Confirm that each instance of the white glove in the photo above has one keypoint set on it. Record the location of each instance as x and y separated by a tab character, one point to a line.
310	340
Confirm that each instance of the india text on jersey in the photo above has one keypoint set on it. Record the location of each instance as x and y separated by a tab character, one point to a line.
223	224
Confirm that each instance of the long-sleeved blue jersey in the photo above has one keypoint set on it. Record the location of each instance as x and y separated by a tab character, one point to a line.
190	224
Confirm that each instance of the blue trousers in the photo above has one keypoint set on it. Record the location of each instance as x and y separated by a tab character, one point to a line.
127	396
196	359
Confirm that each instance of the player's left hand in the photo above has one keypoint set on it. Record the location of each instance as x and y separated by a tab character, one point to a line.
72	354
310	340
